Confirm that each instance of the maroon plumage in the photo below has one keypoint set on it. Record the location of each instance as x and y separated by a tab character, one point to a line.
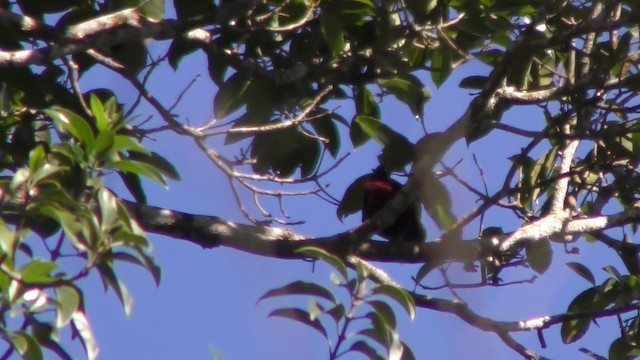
379	189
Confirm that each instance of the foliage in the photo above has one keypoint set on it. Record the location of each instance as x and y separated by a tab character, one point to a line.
282	68
366	325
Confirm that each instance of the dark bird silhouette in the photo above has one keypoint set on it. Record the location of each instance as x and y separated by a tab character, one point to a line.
379	189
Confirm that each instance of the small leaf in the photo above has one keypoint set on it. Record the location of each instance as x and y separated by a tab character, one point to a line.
539	255
330	259
300	316
583	271
300	288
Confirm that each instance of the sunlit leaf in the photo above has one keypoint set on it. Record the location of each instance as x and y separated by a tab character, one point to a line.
38	272
82	327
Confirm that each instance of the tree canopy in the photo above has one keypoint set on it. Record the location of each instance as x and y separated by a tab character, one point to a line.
547	87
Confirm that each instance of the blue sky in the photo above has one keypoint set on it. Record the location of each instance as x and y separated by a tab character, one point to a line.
207	300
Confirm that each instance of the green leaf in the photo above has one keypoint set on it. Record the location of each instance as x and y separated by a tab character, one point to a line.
441	64
128	143
437	202
102	122
410	91
622	349
231	95
385	312
397	154
539	255
574	330
398	295
44	172
133	183
384	135
36	158
132	55
323	255
108	276
419	9
326	128
180	47
108	208
7	239
70	122
332	30
26	345
300	288
38	272
138	168
583	271
157	162
153	9
68	299
613	271
141	259
284	151
104	143
366	104
473	82
301	316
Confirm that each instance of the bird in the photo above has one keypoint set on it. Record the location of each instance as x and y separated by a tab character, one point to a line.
379	189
